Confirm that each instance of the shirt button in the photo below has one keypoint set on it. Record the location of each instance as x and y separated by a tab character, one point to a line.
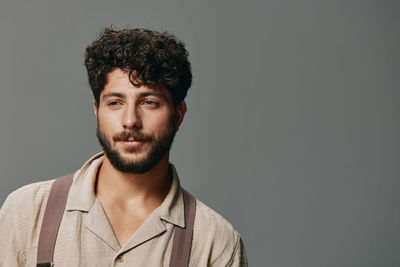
120	258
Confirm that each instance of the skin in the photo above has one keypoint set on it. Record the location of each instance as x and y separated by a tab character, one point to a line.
129	198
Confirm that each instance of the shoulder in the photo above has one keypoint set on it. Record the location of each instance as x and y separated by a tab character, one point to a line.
214	237
208	218
31	195
20	217
25	205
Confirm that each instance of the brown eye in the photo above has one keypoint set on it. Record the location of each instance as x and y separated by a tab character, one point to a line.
150	103
113	103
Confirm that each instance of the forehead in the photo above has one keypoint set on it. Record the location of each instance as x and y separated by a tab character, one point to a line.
117	81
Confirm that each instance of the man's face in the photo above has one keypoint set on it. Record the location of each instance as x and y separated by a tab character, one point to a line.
136	125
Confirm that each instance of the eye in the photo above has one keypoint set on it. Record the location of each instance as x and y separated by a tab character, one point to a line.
151	103
113	103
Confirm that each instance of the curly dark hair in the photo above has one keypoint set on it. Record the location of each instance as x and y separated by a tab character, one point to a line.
155	59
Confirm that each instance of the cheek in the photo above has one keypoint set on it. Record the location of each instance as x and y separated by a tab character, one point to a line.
107	124
158	122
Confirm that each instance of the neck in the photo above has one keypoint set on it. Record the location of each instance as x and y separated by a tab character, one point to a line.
152	186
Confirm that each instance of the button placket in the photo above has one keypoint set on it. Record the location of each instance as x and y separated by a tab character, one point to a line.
120	258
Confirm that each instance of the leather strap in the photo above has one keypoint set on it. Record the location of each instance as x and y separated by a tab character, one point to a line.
55	209
183	236
52	218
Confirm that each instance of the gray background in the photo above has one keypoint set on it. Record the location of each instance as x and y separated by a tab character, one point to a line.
292	130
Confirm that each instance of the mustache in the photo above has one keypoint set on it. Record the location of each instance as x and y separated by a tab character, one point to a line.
137	135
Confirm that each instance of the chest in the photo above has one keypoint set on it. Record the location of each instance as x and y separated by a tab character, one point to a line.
87	240
124	223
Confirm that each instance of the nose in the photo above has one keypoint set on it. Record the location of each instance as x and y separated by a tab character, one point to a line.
131	119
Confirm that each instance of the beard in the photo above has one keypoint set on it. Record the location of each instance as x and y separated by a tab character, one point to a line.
159	147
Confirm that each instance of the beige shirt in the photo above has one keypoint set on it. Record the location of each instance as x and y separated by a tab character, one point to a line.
86	238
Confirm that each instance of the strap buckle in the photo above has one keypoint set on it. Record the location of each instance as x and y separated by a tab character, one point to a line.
45	264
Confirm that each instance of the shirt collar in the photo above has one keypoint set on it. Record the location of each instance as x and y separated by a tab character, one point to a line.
81	195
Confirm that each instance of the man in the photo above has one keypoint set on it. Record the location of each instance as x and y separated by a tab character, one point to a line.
125	204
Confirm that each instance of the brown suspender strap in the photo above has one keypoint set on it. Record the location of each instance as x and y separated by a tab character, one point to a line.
183	236
52	219
55	209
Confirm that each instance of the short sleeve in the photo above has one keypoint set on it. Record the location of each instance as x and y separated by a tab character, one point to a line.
239	257
11	252
235	257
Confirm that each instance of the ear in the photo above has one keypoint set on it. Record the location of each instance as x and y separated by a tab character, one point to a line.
180	110
95	107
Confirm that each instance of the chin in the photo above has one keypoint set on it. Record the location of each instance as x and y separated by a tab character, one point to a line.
132	159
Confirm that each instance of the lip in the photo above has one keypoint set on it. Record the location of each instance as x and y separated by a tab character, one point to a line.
132	143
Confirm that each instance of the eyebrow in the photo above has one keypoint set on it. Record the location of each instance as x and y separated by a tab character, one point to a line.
141	95
154	93
114	95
